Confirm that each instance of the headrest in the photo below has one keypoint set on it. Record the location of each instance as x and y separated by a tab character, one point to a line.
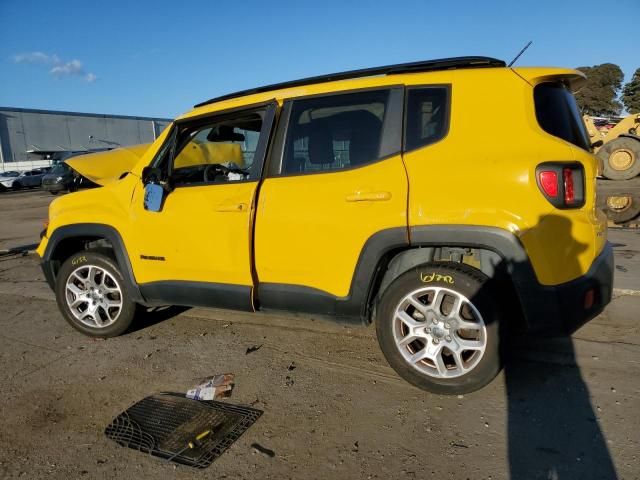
364	143
320	143
224	133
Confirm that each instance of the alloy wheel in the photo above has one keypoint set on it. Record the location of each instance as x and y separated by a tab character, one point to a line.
439	332
93	296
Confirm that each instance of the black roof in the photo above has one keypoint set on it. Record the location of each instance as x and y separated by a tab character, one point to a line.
412	67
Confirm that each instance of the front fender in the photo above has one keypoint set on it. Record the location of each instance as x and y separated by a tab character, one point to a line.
50	252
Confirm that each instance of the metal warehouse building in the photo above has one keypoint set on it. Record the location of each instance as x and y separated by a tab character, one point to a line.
25	132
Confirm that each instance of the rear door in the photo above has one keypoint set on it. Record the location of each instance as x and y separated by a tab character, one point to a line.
29	179
335	180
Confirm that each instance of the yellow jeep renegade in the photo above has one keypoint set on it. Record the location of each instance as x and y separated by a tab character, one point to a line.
372	196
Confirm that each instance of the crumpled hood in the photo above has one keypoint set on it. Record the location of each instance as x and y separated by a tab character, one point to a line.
105	167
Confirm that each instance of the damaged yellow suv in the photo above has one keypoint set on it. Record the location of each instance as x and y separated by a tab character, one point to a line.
371	196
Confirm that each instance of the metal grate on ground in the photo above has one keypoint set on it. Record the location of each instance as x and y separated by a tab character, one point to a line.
164	423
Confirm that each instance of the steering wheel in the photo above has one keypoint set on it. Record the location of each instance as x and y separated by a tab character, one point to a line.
213	170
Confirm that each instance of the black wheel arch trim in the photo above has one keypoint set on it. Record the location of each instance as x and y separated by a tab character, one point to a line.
515	261
541	305
548	310
97	230
375	255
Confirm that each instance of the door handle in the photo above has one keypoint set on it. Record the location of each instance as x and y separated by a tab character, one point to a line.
232	207
369	197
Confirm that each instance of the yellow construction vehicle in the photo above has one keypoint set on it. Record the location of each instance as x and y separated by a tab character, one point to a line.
618	149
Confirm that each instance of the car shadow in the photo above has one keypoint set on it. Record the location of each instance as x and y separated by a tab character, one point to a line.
149	316
553	431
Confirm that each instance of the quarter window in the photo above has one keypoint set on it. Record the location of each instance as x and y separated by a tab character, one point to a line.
336	132
427	116
558	114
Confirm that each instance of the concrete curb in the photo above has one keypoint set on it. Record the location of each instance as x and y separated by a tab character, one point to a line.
622	292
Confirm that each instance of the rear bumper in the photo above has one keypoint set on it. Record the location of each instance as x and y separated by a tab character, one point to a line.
561	309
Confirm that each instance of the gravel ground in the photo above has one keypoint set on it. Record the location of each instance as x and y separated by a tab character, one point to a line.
562	408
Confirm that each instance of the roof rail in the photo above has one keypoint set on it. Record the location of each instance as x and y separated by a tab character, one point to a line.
412	67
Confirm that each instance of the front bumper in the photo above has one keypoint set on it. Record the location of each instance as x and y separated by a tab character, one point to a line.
54	187
562	309
46	265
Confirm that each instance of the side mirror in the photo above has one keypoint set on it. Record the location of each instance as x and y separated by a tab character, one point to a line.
153	197
151	175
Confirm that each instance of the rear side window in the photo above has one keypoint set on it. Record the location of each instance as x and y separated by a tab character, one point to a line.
558	114
427	116
336	132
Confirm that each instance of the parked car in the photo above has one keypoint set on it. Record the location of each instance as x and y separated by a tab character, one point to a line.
7	179
28	179
64	178
367	196
60	178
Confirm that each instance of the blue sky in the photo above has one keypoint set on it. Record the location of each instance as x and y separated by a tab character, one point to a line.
159	58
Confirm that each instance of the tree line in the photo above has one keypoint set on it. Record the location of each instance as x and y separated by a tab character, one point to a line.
604	95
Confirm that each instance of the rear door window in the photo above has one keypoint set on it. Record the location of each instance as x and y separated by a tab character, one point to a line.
558	114
342	131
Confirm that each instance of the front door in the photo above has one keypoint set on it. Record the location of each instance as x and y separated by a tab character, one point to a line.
197	249
336	179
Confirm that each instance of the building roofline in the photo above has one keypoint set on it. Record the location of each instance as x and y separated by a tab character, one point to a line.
412	67
81	114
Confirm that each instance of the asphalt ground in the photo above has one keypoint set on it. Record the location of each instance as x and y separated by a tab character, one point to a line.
561	409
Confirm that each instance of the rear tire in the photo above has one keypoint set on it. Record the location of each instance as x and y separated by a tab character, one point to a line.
438	327
92	296
620	158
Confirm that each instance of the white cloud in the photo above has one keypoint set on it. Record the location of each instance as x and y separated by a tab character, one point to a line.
59	68
74	67
36	57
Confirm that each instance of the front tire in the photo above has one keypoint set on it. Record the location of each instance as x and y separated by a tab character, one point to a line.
91	294
438	328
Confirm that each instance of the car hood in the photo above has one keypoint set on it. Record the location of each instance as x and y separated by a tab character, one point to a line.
8	179
105	167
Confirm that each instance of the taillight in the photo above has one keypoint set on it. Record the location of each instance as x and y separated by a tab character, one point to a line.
549	182
562	183
569	194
